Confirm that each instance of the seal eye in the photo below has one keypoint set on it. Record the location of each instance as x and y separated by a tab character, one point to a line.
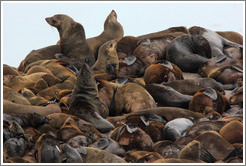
53	21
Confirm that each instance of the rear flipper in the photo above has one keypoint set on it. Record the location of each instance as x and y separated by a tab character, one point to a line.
207	156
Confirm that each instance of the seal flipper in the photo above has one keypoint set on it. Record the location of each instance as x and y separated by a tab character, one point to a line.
237	68
145	120
121	80
112	103
98	122
131	128
207	156
130	59
81	150
145	41
102	143
234	153
167	64
210	93
220	58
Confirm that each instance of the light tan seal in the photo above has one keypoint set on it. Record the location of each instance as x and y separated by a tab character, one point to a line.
112	30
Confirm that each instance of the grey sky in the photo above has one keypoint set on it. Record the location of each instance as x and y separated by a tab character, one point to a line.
25	28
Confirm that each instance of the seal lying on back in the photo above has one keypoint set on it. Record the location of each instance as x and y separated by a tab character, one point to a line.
72	40
85	102
112	30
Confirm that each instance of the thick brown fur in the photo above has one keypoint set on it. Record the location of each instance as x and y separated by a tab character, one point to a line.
107	61
72	40
112	30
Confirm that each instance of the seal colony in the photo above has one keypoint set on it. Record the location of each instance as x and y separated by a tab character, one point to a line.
173	96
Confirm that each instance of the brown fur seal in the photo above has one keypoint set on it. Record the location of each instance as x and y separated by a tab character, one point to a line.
215	144
9	70
13	96
191	86
216	42
112	30
125	98
232	36
85	102
127	45
189	52
57	67
237	97
40	54
168	113
167	149
132	137
169	30
167	96
94	155
134	156
72	40
47	149
107	61
162	72
207	100
232	132
32	98
10	107
191	151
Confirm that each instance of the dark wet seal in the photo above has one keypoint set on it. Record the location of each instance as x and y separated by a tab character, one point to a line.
81	150
210	93
102	143
70	155
167	64
145	41
130	59
121	80
15	147
220	58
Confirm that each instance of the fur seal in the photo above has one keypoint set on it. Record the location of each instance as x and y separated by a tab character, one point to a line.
169	30
191	151
191	86
167	149
160	92
13	96
215	144
189	52
176	128
232	132
94	155
47	149
207	100
70	155
127	45
132	137
107	61
32	98
162	73
237	97
14	147
109	145
10	107
9	70
232	36
168	113
85	103
112	30
72	40
39	54
216	42
134	156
